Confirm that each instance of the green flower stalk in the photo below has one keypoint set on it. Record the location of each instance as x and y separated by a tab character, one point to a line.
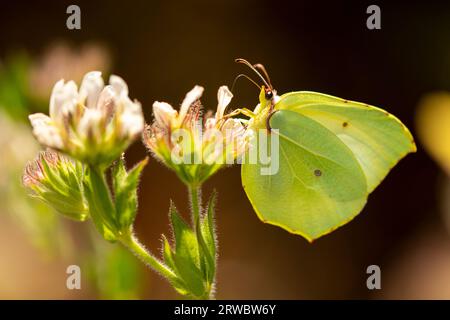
195	145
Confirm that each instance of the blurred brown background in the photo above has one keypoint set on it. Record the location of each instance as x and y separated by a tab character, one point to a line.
162	49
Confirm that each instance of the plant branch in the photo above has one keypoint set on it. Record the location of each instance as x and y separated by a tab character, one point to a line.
106	216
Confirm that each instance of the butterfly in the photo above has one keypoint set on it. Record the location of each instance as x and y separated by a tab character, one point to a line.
332	154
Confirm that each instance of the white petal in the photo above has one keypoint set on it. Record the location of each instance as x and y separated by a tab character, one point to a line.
90	88
224	96
130	106
131	124
190	98
90	124
54	103
119	86
131	119
45	132
164	113
63	95
107	101
39	119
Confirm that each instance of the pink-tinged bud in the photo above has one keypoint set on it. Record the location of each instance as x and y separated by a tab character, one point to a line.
47	178
33	174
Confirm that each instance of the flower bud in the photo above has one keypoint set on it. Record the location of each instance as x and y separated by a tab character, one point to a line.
56	180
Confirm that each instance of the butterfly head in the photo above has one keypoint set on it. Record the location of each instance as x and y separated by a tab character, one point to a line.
268	95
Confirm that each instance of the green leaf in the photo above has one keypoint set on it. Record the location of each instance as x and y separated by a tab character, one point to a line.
185	240
167	253
208	225
186	257
319	184
191	276
178	284
208	231
119	172
125	192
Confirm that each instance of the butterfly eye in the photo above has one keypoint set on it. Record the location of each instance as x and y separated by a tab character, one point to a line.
269	95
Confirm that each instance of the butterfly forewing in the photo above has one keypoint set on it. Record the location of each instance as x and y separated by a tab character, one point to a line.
377	139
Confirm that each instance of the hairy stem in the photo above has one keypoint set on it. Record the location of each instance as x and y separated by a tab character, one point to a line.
130	242
195	198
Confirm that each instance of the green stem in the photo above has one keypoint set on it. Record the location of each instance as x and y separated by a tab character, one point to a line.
195	197
129	241
194	194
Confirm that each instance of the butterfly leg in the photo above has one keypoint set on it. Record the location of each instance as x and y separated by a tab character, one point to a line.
244	111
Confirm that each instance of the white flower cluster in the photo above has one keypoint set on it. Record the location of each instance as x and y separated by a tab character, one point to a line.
207	140
94	124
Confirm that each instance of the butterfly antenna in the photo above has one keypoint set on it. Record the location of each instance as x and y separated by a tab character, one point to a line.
248	64
248	78
263	70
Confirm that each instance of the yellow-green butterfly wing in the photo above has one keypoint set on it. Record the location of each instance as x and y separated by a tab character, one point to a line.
332	154
319	184
377	138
